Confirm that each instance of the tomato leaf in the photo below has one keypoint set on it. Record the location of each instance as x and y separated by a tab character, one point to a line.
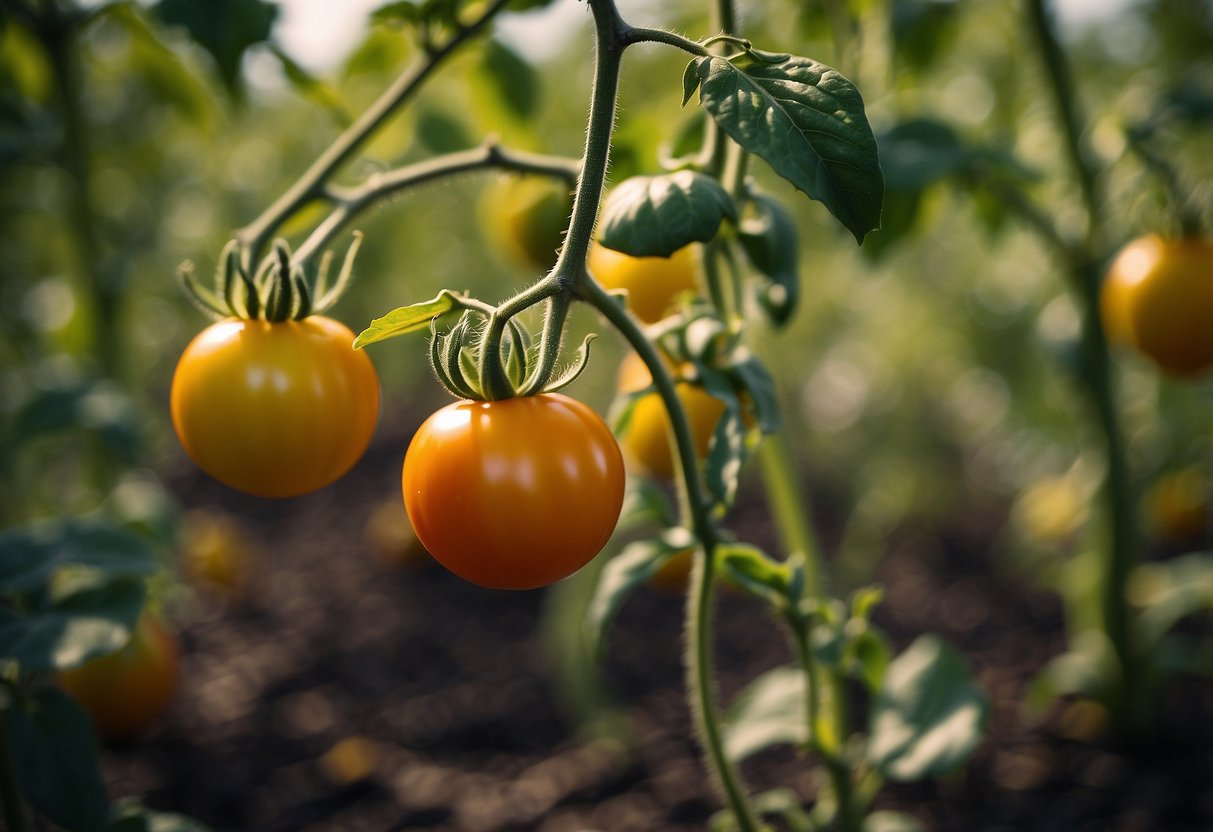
751	376
752	570
655	216
512	78
313	89
408	319
82	617
629	569
574	370
30	556
770	241
770	711
727	451
130	815
224	28
806	121
55	755
929	715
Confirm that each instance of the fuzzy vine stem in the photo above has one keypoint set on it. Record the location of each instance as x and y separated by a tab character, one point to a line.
310	185
1085	275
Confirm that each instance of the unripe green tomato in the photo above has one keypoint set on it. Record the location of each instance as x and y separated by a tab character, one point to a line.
527	217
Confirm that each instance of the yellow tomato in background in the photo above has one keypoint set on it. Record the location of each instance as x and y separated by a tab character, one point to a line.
216	551
1177	505
653	284
527	217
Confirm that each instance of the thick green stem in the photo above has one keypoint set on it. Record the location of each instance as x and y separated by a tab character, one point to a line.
310	185
10	792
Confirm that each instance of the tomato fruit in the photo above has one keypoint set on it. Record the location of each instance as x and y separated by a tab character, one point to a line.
653	284
1158	296
125	692
215	551
275	409
514	494
1177	505
646	444
527	216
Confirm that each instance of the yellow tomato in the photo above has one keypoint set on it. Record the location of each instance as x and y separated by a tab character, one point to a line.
215	550
527	217
646	442
653	284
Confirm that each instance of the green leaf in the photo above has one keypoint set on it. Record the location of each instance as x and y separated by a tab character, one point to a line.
99	407
751	376
130	815
629	569
441	132
928	717
655	216
574	370
399	13
891	822
753	570
920	152
512	78
770	711
55	755
1169	591
645	502
771	243
1089	668
313	89
408	319
870	657
807	122
30	556
83	618
727	451
224	28
921	29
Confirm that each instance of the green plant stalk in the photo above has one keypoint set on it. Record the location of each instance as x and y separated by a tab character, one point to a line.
350	202
310	185
10	792
1097	373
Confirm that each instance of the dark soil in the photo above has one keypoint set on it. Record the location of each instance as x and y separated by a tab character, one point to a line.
449	695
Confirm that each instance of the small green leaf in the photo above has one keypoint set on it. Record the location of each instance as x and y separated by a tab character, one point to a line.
512	78
629	569
55	755
751	376
1168	591
753	570
727	451
770	711
224	28
30	556
84	618
408	319
928	717
655	216
771	244
1088	668
807	122
921	28
690	80
870	657
573	371
891	822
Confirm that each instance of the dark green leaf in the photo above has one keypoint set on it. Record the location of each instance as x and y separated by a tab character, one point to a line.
224	28
928	717
30	556
771	243
629	569
441	132
920	152
921	28
78	623
513	78
808	123
750	376
727	451
99	407
770	711
655	216
55	755
897	222
313	89
407	319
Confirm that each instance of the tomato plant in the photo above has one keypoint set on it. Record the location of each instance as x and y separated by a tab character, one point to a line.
514	494
646	441
653	284
275	409
1158	296
527	217
127	691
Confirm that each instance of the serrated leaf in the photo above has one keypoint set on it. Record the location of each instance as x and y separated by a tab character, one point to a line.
629	569
772	245
30	556
655	216
807	122
512	78
75	626
771	710
929	715
406	319
55	757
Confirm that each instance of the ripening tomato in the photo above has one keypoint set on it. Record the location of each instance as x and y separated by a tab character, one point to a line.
516	493
653	284
275	409
125	692
646	443
1158	296
527	216
215	551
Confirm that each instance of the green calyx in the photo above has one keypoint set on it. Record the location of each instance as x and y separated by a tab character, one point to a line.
471	365
279	290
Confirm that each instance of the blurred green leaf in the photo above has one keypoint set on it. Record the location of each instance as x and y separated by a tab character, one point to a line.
86	618
30	556
130	815
921	29
645	502
1087	668
655	216
754	571
919	152
769	238
727	450
892	822
407	319
807	122
99	407
629	569
751	377
1168	591
928	717
224	28
511	77
313	89
55	755
771	710
439	132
